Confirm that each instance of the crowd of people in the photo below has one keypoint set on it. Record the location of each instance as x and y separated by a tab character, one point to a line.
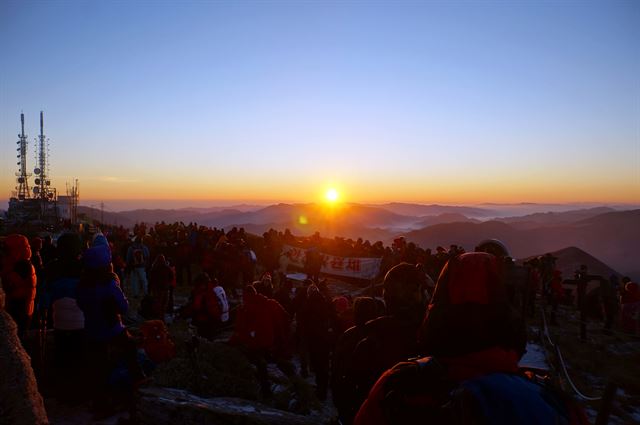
441	344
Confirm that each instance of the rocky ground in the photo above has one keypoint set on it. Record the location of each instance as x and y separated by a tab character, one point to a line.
600	360
214	383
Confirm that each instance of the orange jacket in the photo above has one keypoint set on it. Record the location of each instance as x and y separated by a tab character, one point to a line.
18	274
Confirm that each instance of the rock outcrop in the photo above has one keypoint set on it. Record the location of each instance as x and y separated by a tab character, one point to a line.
166	406
20	400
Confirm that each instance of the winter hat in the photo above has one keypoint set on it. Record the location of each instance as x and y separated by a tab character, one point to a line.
340	304
17	248
404	287
69	245
97	256
470	311
493	246
364	309
100	239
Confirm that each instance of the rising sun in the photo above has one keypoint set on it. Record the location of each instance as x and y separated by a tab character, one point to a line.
332	195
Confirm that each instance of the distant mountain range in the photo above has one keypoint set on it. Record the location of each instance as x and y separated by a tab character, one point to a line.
419	210
610	235
569	260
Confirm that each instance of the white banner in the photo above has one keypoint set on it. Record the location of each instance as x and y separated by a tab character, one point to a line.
361	268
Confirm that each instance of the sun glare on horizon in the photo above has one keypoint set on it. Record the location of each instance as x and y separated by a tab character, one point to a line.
331	195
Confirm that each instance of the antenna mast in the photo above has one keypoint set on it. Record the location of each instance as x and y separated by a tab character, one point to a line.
23	176
42	189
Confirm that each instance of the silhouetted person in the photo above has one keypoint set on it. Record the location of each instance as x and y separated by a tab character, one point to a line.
19	281
474	341
137	260
161	278
390	338
262	331
108	343
342	384
61	287
318	318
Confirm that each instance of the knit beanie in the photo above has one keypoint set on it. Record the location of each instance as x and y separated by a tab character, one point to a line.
69	245
470	311
97	256
100	239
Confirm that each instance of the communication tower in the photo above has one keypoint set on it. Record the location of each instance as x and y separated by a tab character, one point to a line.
73	193
22	190
42	189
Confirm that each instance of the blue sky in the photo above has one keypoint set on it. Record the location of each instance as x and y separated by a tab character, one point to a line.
262	101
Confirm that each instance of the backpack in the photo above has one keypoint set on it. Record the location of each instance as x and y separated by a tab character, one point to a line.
223	304
206	306
156	341
138	257
421	391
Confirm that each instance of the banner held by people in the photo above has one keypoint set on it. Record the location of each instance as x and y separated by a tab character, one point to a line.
360	268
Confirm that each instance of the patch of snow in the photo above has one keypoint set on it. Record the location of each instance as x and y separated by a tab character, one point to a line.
298	277
534	357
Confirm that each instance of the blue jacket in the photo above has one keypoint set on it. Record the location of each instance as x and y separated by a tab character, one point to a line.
102	304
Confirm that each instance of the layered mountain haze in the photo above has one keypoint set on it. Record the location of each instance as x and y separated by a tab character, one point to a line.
568	260
606	233
418	210
555	218
611	237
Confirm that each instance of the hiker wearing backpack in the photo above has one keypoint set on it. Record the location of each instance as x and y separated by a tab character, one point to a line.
109	345
391	338
209	308
319	319
137	260
474	340
262	333
60	298
364	309
161	278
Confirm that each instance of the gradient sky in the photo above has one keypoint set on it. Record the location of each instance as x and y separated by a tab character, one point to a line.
450	102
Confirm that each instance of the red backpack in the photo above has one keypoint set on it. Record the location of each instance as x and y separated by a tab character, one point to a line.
156	341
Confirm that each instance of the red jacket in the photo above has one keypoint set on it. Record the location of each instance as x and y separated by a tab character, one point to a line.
18	274
205	307
556	286
262	325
